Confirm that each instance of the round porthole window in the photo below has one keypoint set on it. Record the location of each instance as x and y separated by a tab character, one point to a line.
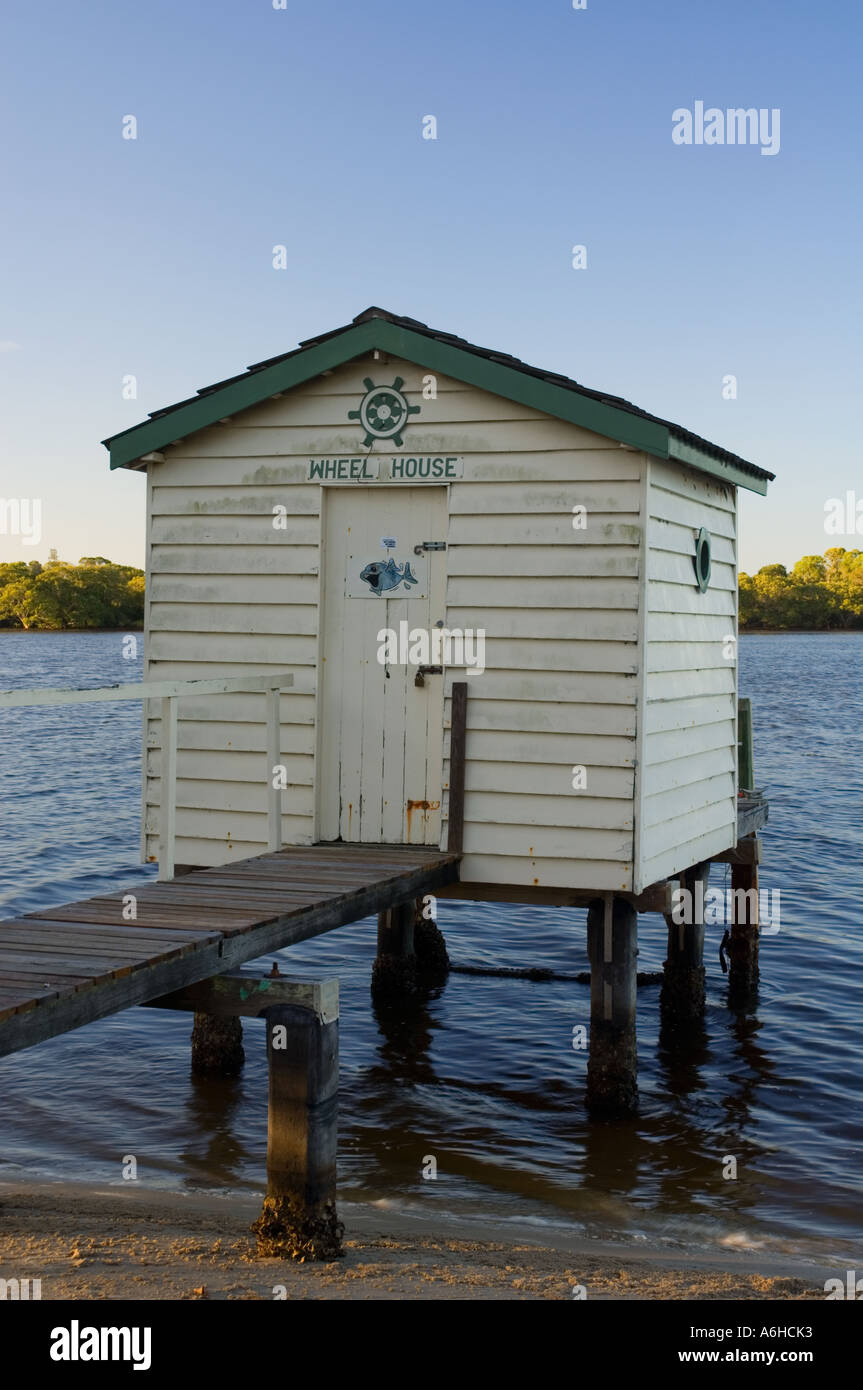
702	559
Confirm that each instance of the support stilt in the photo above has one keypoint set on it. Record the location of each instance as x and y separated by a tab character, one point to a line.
683	983
217	1045
299	1219
394	974
612	931
743	943
430	948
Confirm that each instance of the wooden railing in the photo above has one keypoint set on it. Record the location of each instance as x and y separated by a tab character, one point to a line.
745	759
457	741
169	692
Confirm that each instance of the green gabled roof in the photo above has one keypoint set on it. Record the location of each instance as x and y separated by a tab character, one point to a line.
496	372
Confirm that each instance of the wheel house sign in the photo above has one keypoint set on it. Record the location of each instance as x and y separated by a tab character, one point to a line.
384	413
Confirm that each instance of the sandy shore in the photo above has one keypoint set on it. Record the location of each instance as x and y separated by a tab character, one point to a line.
131	1243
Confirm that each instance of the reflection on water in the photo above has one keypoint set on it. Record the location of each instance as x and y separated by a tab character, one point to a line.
483	1076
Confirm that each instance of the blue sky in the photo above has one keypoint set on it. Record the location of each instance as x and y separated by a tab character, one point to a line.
303	126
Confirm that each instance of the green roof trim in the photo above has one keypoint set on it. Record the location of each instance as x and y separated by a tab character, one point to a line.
237	395
556	396
681	452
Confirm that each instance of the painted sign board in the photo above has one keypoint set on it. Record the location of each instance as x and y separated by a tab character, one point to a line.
398	576
386	468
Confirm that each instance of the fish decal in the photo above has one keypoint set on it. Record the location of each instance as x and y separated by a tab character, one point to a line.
383	575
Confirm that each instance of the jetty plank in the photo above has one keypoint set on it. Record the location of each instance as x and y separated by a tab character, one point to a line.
66	966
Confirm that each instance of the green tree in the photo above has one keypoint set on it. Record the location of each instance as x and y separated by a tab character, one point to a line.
95	593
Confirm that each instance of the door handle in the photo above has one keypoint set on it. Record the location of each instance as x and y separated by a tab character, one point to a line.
423	671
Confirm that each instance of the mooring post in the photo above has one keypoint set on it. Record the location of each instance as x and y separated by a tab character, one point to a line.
743	933
682	997
217	1045
299	1219
612	934
394	974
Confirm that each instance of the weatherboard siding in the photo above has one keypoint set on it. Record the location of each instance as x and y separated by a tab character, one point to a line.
229	593
687	788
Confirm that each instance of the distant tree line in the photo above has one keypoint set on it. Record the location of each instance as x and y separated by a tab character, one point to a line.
92	594
820	592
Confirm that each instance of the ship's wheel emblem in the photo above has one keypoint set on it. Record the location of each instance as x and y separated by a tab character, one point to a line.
383	411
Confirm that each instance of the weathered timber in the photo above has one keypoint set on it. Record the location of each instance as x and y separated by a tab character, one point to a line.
433	962
652	899
752	812
612	929
745	759
217	1045
242	994
211	940
457	751
299	1219
394	973
682	998
743	936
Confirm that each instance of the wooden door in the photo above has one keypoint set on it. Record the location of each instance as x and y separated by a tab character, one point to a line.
381	735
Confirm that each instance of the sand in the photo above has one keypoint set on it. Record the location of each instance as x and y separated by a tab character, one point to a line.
133	1243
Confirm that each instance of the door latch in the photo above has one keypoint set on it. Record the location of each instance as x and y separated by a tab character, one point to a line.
423	671
429	545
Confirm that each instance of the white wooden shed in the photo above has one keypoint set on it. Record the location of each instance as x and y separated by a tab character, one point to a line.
386	474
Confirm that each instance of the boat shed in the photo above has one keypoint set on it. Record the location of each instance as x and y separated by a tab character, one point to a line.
390	511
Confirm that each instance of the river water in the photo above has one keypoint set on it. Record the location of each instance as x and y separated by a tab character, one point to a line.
485	1079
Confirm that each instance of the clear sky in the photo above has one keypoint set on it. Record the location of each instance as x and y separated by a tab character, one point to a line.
303	126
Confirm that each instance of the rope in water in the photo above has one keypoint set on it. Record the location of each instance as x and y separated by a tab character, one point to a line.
539	973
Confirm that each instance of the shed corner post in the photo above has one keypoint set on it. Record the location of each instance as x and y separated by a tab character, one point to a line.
299	1219
612	1067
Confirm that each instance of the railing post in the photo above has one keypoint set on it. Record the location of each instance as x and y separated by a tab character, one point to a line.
168	796
745	760
457	739
274	758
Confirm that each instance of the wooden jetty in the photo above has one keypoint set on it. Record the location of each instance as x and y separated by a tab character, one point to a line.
67	966
63	967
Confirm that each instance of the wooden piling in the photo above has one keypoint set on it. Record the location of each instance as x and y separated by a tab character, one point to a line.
394	974
682	998
299	1219
433	963
612	1068
743	935
217	1045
